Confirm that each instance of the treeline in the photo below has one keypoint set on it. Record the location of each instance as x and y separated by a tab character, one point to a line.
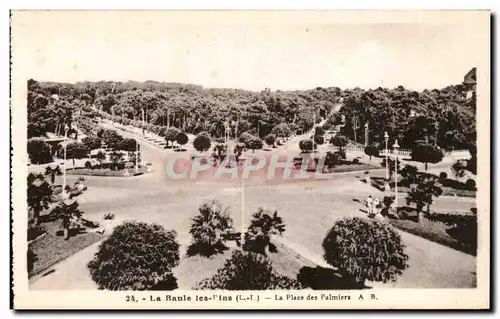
445	114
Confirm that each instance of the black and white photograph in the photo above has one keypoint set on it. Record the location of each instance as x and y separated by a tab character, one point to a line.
251	159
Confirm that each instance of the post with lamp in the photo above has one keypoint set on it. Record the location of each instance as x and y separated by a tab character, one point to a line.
142	110
66	129
366	134
396	148
386	138
136	156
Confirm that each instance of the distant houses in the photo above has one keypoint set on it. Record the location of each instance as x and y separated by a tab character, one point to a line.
470	83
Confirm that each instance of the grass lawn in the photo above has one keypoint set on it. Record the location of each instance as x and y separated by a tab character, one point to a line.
52	248
434	231
105	172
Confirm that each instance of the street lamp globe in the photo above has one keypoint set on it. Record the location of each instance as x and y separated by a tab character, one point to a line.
395	146
386	136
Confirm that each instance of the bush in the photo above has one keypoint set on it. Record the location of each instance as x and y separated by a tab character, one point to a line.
202	142
32	258
88	164
208	228
245	137
470	184
355	161
39	152
254	144
443	176
247	271
270	139
109	216
319	139
182	138
306	145
363	249
136	256
35	231
373	149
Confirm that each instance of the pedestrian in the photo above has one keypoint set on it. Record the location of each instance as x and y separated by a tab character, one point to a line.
369	204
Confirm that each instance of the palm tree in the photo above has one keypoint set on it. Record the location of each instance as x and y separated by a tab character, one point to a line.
263	225
209	227
67	211
52	173
39	195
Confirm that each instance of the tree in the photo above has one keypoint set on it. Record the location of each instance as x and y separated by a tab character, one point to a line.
319	139
112	139
372	149
76	150
363	249
39	152
101	157
409	174
52	173
306	146
263	225
127	145
332	159
426	153
69	214
270	139
208	229
182	138
393	164
247	271
340	141
92	142
318	130
281	130
202	142
39	195
422	192
116	159
171	134
254	144
136	256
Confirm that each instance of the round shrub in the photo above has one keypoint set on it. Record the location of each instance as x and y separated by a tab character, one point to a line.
136	256
363	249
88	164
182	138
470	184
247	271
202	142
270	139
306	145
443	175
355	161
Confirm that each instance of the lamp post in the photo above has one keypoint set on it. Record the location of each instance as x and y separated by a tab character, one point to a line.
396	148
142	110
136	156
366	134
386	138
66	128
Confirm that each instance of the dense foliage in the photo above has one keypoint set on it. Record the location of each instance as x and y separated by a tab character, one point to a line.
136	256
208	228
263	225
364	249
247	271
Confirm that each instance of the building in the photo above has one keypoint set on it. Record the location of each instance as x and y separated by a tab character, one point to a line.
470	83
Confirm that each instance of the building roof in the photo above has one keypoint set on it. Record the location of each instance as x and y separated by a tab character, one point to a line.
470	77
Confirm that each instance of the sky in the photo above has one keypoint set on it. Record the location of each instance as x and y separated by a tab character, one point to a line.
247	51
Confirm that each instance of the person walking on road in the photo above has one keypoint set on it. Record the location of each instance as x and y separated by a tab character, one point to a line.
369	204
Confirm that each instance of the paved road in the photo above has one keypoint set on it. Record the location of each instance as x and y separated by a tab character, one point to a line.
309	208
